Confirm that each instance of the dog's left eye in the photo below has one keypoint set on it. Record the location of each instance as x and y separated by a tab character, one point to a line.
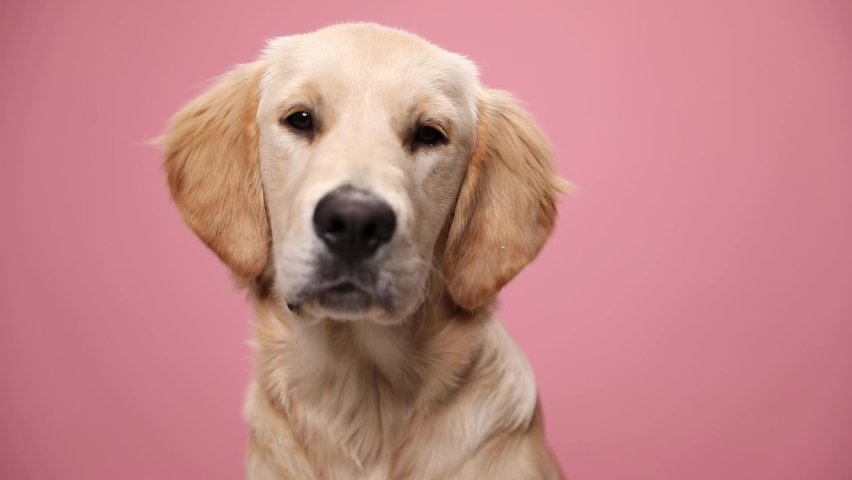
429	136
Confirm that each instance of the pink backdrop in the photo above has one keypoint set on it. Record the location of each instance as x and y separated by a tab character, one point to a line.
691	319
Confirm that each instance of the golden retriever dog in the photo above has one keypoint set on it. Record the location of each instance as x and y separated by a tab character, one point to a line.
373	198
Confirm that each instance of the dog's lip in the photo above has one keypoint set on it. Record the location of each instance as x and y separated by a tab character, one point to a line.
342	297
335	289
343	288
344	300
347	289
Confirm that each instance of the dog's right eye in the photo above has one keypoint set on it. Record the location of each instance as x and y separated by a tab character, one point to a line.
299	121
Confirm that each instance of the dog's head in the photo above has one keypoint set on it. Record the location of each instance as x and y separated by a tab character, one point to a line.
353	164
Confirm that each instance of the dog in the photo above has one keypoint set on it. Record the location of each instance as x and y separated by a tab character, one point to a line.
373	197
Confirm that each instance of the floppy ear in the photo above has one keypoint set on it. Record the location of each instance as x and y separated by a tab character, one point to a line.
506	206
212	167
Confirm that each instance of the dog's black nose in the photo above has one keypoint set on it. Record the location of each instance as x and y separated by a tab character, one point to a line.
353	224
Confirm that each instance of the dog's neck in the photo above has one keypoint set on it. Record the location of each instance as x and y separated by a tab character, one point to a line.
360	381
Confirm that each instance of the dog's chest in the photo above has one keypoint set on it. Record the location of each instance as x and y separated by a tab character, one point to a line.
347	420
377	472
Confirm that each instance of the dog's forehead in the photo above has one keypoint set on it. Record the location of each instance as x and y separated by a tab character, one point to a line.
359	59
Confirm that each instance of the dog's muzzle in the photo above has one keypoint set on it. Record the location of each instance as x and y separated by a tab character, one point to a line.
353	225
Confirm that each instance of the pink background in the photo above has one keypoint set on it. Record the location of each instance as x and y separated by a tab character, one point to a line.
691	319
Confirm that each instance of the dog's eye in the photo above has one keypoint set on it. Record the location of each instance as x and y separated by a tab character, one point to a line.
299	121
429	136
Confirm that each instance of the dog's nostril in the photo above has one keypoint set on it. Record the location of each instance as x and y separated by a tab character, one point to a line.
337	225
353	224
370	231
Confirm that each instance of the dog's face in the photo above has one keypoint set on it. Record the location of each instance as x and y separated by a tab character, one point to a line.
354	163
364	140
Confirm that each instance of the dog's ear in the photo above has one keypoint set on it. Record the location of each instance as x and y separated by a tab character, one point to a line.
506	207
211	162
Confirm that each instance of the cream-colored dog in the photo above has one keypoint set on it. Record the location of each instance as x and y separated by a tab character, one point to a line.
373	198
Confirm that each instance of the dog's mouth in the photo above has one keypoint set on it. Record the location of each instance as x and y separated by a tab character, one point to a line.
344	288
337	292
345	298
